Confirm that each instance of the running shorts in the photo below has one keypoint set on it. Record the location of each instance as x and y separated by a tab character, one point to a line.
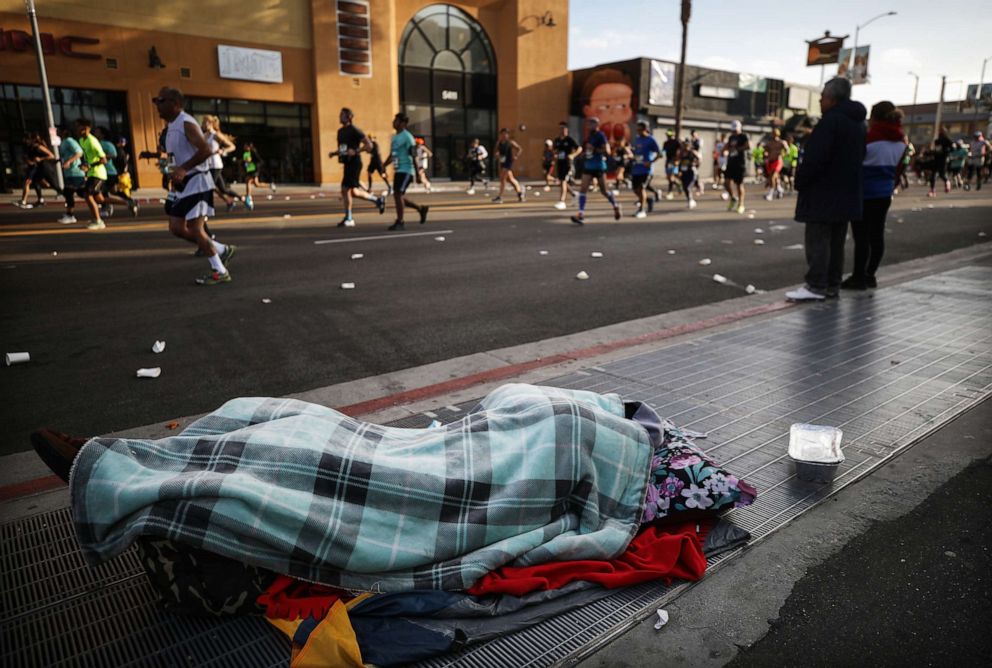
111	184
402	181
190	207
546	166
735	171
507	164
352	175
773	166
562	169
92	186
640	180
671	168
787	170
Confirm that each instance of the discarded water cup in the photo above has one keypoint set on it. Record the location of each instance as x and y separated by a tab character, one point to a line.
438	238
595	254
670	251
759	242
582	276
153	372
357	256
347	286
542	252
750	289
705	262
16	358
719	278
158	347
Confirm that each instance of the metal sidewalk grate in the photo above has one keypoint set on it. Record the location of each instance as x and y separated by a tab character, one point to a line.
888	370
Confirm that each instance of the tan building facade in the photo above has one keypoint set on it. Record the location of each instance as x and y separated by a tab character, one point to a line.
278	73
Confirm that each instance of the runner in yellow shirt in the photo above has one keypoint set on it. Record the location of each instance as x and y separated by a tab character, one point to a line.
96	172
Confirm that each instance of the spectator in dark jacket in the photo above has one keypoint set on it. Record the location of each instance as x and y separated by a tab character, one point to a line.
829	182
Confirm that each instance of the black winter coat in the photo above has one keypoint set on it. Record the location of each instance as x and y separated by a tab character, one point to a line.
829	176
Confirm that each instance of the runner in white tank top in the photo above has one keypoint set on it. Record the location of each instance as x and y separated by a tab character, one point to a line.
192	198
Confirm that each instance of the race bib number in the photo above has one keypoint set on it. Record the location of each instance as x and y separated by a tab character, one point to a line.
562	155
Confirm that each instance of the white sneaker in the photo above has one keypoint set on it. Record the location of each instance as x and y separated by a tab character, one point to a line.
350	222
470	191
560	206
669	196
769	197
804	294
741	209
692	204
272	187
640	214
97	225
66	219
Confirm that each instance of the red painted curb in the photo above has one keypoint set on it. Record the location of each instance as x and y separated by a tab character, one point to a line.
29	487
372	405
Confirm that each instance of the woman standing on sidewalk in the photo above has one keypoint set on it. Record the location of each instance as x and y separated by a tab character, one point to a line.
883	164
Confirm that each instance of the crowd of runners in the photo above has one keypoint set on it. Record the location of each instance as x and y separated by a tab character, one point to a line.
191	155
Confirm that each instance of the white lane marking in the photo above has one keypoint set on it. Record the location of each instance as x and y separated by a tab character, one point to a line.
382	236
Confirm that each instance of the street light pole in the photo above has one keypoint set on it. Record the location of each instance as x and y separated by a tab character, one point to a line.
680	89
857	29
45	94
916	89
940	108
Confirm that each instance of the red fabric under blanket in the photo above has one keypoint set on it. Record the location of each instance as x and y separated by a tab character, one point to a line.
657	553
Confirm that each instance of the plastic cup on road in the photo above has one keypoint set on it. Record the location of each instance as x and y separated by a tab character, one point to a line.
16	358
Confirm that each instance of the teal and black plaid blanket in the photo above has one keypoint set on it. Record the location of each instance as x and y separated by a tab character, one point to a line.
532	474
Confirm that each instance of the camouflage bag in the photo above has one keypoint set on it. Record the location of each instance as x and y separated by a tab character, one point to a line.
191	581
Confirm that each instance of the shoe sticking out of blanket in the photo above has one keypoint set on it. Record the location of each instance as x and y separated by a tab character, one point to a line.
57	450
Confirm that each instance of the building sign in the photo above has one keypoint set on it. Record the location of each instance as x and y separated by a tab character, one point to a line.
354	38
235	62
798	98
609	93
824	51
661	84
752	82
720	92
986	93
449	95
18	40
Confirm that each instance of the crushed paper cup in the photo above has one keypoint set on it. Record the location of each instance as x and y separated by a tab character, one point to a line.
778	228
662	618
153	372
55	252
795	247
287	198
266	300
158	347
670	251
287	215
268	197
595	254
16	358
750	216
719	278
347	286
759	242
758	230
982	234
750	289
438	238
313	197
357	256
542	252
582	276
705	262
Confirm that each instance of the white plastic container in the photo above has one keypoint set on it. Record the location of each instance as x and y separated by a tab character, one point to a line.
816	451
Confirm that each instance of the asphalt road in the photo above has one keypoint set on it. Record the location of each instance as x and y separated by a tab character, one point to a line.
89	305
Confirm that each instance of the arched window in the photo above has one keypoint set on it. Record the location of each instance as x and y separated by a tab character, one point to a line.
448	84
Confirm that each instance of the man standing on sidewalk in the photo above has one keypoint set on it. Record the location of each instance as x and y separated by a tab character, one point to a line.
830	189
402	149
191	199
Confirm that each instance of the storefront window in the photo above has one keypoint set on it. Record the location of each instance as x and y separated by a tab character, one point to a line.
280	131
448	84
21	110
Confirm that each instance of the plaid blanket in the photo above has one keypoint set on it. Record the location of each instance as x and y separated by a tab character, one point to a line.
532	474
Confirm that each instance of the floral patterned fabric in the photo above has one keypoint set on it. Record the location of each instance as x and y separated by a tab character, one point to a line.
688	483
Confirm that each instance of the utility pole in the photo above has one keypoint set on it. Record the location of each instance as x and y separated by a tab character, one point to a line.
940	108
680	85
916	89
978	93
46	97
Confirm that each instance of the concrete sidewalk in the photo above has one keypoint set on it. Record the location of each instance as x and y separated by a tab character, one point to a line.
891	367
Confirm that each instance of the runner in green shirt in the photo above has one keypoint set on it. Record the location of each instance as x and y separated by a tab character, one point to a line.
96	172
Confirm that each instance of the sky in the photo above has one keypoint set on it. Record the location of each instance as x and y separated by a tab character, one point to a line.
769	39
